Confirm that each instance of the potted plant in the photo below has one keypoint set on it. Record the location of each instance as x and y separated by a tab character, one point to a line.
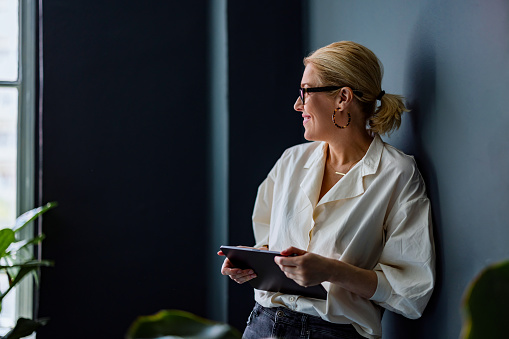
16	261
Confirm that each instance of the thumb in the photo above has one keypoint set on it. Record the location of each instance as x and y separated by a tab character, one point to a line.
292	251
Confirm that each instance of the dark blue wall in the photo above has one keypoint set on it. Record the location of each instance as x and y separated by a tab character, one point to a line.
451	60
265	67
130	132
124	147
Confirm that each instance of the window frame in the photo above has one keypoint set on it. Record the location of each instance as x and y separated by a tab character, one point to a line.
26	137
26	147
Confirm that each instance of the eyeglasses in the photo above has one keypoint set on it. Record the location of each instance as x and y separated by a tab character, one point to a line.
303	91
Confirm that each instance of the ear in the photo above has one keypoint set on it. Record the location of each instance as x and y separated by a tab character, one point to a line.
344	98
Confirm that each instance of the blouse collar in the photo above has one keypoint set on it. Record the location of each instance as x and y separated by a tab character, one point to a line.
351	185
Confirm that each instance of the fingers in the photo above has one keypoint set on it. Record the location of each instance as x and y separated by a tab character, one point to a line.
238	275
289	270
293	274
242	276
282	262
307	269
289	267
296	267
288	261
227	267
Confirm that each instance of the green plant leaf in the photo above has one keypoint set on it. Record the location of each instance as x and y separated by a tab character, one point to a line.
29	216
29	264
485	303
179	324
6	239
25	268
24	244
24	327
17	262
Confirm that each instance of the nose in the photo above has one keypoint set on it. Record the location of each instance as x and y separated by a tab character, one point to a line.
298	106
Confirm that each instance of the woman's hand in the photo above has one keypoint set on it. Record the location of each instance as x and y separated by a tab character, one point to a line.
305	268
308	269
238	275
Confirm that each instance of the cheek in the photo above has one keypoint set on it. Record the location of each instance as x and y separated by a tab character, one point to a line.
322	111
323	115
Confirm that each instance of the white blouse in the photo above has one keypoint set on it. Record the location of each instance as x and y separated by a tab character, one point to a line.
376	217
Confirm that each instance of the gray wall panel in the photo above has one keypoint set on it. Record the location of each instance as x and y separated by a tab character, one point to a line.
451	60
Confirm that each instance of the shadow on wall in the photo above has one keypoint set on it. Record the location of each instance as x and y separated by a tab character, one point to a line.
420	98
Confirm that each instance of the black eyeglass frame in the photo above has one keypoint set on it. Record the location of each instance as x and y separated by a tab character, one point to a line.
303	91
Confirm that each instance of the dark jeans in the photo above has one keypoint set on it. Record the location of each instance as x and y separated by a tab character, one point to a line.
281	323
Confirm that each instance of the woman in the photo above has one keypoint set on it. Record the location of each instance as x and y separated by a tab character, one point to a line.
353	209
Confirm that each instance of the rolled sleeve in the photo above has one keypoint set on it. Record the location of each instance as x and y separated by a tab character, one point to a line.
383	288
405	272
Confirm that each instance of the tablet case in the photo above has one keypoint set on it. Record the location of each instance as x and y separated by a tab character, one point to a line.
269	275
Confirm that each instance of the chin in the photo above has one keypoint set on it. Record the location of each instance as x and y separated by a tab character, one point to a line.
309	137
316	134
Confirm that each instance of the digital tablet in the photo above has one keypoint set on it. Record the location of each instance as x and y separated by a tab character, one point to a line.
269	275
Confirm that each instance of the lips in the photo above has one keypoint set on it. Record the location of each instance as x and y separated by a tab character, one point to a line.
306	118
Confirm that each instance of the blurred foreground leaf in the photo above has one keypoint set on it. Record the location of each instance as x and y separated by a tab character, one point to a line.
486	304
169	324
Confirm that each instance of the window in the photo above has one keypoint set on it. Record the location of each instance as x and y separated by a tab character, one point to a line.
17	130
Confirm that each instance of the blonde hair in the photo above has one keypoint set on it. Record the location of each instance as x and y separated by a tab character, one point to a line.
350	64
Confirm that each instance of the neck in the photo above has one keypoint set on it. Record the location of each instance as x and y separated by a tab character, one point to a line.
347	148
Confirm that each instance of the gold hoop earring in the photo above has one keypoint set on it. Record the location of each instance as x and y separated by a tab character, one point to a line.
334	119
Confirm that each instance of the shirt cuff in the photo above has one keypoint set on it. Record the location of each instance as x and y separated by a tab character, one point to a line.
383	288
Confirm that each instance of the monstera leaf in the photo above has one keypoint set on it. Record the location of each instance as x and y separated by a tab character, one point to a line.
171	324
486	304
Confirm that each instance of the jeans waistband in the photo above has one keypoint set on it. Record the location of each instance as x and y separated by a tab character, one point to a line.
285	315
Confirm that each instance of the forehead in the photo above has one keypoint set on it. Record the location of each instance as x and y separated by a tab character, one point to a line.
310	75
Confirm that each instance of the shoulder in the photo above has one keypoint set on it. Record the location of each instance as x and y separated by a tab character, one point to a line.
297	156
302	152
395	158
402	168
